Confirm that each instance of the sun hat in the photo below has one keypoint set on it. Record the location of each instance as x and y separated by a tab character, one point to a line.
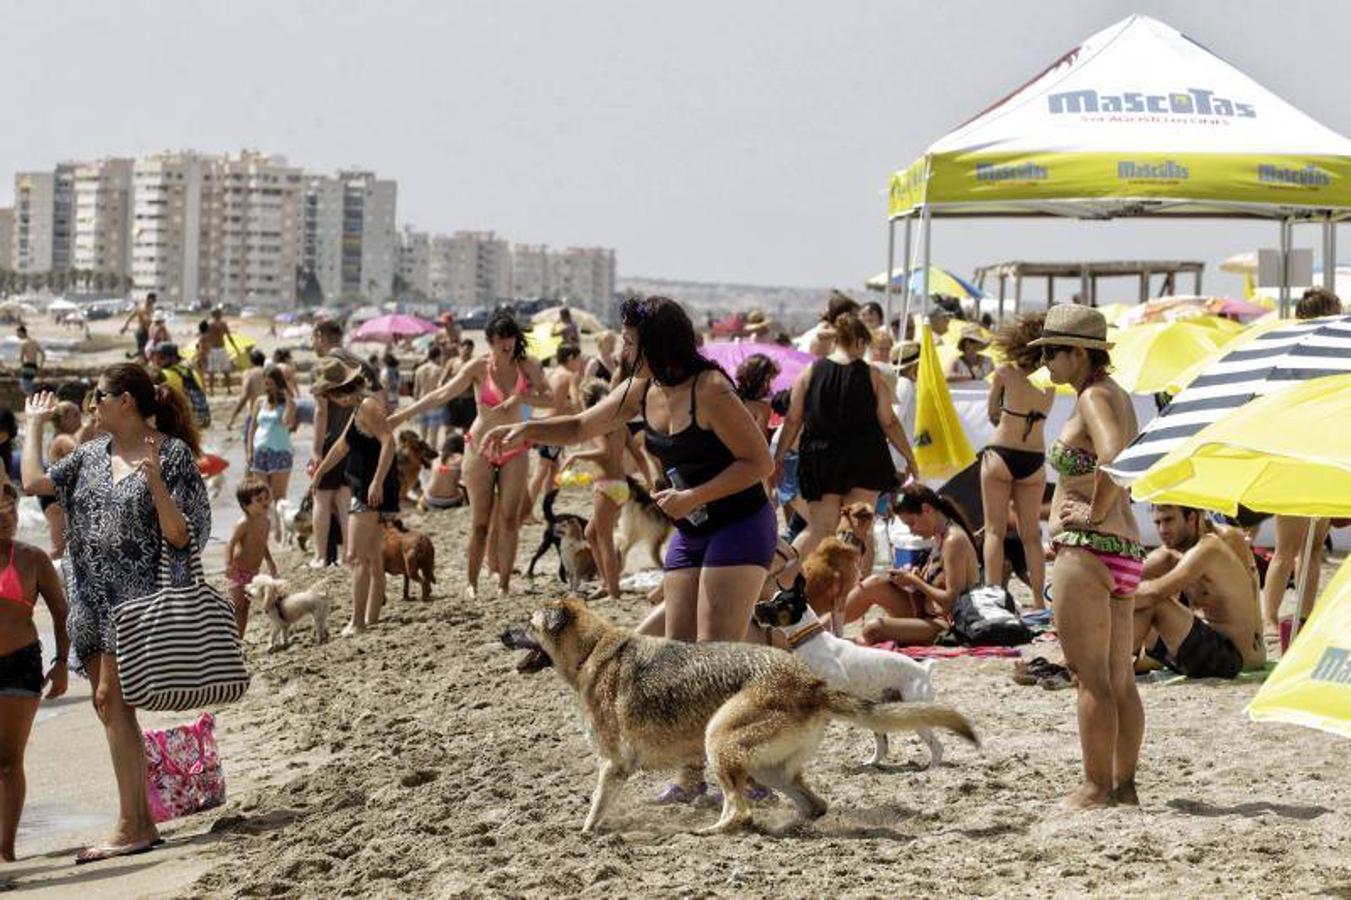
906	354
1073	325
973	332
168	348
333	374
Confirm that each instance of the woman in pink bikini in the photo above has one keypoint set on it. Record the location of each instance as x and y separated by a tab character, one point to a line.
1098	555
506	381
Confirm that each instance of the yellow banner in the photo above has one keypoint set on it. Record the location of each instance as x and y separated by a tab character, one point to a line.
994	178
941	447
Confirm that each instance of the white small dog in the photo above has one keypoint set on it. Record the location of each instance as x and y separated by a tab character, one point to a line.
284	610
864	671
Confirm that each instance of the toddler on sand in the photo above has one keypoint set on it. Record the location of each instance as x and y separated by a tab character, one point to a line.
247	549
445	491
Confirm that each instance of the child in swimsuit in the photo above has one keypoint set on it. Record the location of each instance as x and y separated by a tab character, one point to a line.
445	491
247	549
610	491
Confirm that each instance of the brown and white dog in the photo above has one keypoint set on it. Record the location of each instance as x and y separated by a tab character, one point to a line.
411	457
641	524
410	554
750	712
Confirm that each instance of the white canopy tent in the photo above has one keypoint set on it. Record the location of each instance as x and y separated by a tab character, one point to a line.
1138	120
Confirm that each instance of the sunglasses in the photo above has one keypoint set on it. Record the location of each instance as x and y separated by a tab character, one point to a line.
1049	352
100	395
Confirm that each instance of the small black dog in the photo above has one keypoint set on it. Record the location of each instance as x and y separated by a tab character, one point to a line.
553	535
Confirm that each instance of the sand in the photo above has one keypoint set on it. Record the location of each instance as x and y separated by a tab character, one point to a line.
414	760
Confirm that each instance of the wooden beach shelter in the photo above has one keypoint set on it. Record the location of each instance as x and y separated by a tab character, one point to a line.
1138	120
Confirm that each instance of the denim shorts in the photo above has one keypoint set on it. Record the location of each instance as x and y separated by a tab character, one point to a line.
787	486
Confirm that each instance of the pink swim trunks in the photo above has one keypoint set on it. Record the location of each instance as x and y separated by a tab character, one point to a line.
239	577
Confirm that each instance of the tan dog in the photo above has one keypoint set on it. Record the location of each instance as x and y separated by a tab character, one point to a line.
641	523
410	458
575	553
830	572
856	529
410	554
752	712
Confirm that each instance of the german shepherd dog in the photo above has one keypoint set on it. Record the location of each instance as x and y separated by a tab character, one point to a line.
553	535
753	712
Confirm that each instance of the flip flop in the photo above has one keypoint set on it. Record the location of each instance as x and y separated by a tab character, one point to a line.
675	793
99	854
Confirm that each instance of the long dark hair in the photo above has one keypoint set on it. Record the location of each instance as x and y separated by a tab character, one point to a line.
913	498
666	340
168	407
503	325
272	375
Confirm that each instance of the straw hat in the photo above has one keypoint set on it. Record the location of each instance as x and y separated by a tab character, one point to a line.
332	374
1072	325
905	355
973	332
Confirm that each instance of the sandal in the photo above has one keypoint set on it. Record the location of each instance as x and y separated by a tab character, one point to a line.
1056	681
1029	672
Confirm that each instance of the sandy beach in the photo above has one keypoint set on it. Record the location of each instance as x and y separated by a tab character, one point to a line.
414	760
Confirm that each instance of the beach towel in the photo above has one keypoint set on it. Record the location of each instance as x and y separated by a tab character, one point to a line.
932	652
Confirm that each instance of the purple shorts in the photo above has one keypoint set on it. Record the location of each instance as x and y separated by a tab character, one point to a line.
744	542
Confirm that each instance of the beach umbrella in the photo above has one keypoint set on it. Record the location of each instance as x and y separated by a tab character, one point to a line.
1265	359
389	328
541	342
585	321
61	305
1166	309
1311	686
363	313
941	281
1262	456
731	354
237	345
1148	358
18	308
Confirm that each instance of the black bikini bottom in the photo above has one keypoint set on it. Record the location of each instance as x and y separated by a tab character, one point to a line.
1021	463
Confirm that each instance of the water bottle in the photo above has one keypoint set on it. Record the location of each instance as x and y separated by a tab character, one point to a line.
698	515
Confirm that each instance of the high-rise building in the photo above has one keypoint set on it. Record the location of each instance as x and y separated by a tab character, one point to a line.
321	228
34	209
216	229
101	217
350	244
584	276
7	239
530	271
479	269
415	263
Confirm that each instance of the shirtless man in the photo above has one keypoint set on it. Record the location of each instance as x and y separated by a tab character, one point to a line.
1218	634
217	359
249	389
462	410
426	378
143	316
31	359
564	380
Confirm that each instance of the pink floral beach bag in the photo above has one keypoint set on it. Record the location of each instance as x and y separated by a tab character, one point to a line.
182	769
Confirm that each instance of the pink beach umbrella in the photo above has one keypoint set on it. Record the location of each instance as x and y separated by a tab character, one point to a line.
387	329
730	354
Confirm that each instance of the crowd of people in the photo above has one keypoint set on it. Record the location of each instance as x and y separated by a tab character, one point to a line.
759	485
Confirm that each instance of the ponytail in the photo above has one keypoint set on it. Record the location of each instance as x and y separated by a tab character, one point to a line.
915	497
169	408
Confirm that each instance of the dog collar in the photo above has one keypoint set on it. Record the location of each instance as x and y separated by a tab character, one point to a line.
805	635
852	540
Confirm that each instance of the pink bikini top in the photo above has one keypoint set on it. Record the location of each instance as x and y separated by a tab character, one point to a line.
490	396
11	585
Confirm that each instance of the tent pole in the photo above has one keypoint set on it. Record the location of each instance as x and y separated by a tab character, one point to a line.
1283	293
1018	294
906	262
1003	284
891	261
925	222
1330	254
1302	583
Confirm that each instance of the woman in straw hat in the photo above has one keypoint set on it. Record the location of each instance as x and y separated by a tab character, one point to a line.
1013	464
1099	557
969	365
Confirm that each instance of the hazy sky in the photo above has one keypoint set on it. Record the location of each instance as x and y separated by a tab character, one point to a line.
729	140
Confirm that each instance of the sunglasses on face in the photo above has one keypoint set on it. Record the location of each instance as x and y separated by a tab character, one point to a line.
100	395
1048	353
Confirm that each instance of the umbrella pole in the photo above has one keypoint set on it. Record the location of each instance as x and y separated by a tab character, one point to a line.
891	257
909	266
1302	583
1330	254
925	222
1284	293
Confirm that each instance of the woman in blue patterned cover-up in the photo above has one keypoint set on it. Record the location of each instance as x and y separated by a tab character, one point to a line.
122	493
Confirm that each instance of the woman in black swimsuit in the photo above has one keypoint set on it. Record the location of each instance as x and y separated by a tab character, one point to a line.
1013	464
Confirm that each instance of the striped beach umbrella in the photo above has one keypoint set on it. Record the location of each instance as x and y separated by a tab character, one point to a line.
1270	361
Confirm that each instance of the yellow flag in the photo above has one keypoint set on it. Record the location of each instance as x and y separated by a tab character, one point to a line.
941	447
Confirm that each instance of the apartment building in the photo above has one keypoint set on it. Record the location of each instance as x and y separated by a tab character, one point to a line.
584	276
478	269
166	230
530	271
7	239
349	242
34	221
101	217
415	264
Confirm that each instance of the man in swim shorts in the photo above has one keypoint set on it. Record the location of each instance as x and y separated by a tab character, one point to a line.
1197	609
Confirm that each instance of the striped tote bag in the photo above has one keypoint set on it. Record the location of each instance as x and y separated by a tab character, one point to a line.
177	648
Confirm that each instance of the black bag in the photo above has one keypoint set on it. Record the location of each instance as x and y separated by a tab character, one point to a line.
987	616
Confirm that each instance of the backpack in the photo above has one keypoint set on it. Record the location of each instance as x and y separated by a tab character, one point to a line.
986	615
192	389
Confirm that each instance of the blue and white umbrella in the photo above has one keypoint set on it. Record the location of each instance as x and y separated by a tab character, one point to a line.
1269	362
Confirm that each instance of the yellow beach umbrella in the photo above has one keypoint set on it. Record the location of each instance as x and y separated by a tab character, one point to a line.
1312	684
237	345
1149	358
1287	453
541	342
1249	334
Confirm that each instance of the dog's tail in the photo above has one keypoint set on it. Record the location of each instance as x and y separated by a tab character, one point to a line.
548	506
887	717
